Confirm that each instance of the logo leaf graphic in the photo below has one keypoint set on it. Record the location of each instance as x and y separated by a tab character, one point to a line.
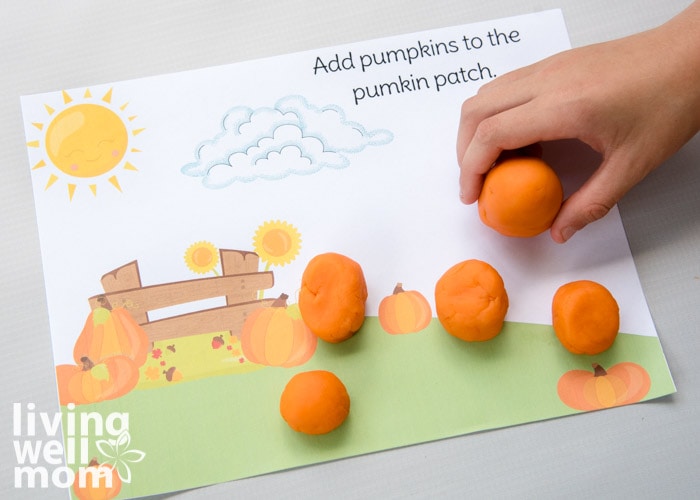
119	455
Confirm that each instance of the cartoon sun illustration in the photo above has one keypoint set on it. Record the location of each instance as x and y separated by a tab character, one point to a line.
85	142
202	257
277	243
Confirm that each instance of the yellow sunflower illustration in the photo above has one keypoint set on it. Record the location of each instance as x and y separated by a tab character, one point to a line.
277	243
202	257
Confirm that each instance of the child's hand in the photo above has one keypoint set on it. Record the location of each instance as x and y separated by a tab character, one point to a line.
635	100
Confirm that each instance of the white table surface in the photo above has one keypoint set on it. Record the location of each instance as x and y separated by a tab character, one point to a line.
648	450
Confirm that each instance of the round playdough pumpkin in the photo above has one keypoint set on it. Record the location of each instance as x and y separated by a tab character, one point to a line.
314	402
585	317
471	301
520	197
332	297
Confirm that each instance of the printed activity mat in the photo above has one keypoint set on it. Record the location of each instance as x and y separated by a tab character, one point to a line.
188	205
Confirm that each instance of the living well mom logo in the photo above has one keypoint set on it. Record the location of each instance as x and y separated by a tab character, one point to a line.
45	460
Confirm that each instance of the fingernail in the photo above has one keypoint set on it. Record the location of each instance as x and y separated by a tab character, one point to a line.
567	232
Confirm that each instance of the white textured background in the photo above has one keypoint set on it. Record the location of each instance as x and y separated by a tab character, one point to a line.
648	450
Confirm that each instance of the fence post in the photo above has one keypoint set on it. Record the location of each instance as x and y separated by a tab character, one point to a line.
239	262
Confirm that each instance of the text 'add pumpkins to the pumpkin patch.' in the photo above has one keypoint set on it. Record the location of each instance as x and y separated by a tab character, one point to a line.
621	384
404	311
585	317
471	301
277	336
94	382
332	297
108	332
314	402
97	482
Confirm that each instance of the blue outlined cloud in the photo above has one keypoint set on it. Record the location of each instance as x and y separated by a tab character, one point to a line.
292	138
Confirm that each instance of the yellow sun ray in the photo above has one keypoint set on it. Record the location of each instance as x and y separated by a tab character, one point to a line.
129	166
93	188
49	109
38	125
66	98
71	191
137	131
87	94
115	182
33	144
40	164
52	178
107	97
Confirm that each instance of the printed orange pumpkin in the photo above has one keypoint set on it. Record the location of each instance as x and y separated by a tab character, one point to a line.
106	484
90	383
277	336
404	311
623	383
108	332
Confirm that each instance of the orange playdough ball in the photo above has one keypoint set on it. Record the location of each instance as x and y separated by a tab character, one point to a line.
585	317
471	301
314	402
332	297
520	197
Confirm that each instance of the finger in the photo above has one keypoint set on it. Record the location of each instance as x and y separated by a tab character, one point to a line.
512	129
491	99
594	199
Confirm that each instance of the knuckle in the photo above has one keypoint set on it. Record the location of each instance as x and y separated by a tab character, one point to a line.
487	131
596	210
469	108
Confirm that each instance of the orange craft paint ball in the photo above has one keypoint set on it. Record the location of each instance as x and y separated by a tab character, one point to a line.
585	317
471	301
520	197
332	297
315	402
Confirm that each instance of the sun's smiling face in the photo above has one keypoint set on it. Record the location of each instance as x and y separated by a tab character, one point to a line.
85	142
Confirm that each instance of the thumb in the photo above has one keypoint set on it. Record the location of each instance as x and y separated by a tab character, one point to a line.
592	201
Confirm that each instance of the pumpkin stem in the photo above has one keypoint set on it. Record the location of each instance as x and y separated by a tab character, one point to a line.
598	371
398	288
93	462
87	363
280	301
104	302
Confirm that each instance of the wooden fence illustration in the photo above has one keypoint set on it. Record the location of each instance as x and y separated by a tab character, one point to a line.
239	283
